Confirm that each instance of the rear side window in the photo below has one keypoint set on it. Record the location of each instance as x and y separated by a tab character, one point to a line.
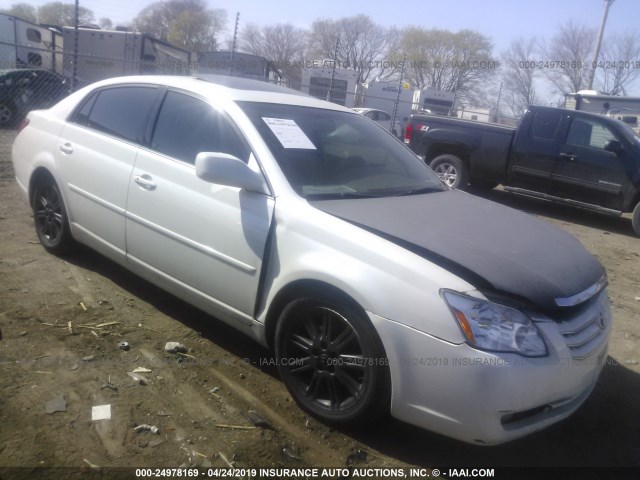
122	111
545	125
187	126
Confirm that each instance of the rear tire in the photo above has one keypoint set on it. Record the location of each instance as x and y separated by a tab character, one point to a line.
635	219
332	362
451	170
50	217
7	114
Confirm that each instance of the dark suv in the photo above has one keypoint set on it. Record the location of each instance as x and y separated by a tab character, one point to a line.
22	90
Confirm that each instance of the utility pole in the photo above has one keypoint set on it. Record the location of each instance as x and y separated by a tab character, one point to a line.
333	70
400	85
596	53
76	21
233	46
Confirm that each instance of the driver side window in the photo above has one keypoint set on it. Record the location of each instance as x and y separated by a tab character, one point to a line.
187	126
585	132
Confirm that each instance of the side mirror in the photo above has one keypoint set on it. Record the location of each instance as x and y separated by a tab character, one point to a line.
614	146
225	169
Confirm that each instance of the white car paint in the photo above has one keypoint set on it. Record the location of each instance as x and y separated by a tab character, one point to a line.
152	214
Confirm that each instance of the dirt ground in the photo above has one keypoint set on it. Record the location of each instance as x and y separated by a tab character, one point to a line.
64	318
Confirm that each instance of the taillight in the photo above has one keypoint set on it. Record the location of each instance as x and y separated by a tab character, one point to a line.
23	124
408	129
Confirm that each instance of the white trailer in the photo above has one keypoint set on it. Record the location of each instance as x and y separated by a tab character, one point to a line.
626	109
317	80
27	45
383	96
104	54
438	102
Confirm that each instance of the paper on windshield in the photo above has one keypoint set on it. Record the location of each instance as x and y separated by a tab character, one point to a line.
289	133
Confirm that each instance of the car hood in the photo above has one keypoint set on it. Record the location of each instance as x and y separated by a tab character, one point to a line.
495	248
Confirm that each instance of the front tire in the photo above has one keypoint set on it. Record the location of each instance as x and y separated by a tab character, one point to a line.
635	219
50	217
451	170
332	362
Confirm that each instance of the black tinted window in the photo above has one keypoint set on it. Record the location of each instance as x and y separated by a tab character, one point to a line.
122	111
187	126
545	125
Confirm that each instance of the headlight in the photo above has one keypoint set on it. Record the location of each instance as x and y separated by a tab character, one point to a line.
494	327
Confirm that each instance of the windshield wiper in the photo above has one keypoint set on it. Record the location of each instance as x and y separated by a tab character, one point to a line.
419	191
338	195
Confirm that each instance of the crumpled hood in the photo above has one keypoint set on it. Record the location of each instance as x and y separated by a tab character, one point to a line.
489	245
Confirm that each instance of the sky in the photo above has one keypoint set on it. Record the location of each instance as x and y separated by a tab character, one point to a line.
501	20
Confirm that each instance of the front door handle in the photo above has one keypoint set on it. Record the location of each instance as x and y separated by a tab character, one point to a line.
569	156
66	148
145	181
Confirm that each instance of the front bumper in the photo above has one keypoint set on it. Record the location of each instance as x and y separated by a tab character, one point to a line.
490	398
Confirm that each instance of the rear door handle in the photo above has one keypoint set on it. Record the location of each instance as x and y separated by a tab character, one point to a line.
145	181
569	156
66	148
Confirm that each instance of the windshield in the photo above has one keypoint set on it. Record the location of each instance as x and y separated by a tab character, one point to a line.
628	132
333	154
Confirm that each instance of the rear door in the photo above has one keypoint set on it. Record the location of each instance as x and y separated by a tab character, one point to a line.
585	171
535	151
95	154
203	239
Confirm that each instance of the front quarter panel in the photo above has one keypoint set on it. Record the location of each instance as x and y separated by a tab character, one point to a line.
380	276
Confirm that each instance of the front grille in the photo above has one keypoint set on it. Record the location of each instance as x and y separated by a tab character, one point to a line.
585	331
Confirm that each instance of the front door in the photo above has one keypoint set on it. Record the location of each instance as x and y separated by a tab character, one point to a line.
206	240
585	171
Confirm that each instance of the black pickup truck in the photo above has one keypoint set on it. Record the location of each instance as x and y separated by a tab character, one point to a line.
566	156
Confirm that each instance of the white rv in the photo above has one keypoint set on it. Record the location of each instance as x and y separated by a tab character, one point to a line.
438	102
317	81
27	45
383	96
626	109
111	53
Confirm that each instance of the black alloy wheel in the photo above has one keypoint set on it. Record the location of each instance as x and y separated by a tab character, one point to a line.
332	362
50	217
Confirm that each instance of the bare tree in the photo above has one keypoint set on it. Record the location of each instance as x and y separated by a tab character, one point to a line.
362	43
61	14
566	59
188	24
519	73
459	62
282	44
615	69
105	23
23	11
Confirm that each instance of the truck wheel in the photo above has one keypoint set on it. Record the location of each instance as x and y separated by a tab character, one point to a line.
635	220
451	170
332	362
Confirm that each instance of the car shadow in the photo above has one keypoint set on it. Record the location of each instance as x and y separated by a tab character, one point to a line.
603	432
606	223
210	328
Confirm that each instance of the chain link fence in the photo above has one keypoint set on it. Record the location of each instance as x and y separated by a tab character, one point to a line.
39	66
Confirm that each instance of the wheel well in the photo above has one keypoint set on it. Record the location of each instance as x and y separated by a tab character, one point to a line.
38	175
437	150
302	289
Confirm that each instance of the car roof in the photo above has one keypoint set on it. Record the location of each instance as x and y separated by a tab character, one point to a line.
232	88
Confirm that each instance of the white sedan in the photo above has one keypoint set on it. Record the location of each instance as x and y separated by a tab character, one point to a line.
311	230
381	118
